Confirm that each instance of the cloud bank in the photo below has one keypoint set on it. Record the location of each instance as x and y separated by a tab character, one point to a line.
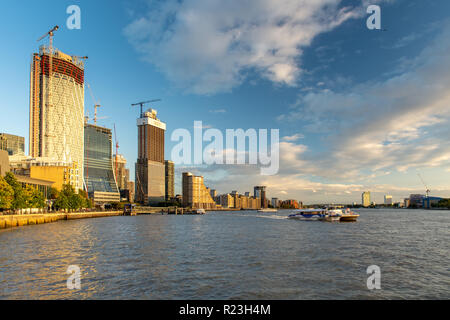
209	46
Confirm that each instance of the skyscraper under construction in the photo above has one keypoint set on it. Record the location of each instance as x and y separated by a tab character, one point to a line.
150	168
57	108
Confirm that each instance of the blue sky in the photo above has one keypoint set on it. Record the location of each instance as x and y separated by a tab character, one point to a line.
357	109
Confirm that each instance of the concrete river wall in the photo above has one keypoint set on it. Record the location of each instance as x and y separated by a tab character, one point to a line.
18	220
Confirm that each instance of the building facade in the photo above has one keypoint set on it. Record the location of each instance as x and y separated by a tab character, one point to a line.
59	172
150	166
195	193
291	203
57	107
416	200
131	191
100	181
365	199
14	145
275	202
388	200
169	179
225	200
121	172
260	192
4	162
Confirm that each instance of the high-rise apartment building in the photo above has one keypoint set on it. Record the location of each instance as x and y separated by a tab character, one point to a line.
388	200
195	193
100	182
14	145
150	167
260	192
57	107
170	185
365	199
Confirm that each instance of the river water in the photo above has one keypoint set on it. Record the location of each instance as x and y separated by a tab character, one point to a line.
226	255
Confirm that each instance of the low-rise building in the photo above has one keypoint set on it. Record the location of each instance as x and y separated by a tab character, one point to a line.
46	169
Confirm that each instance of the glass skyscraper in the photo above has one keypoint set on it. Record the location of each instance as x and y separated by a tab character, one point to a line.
100	182
14	145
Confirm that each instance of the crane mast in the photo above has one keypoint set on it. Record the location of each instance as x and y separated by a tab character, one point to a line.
426	187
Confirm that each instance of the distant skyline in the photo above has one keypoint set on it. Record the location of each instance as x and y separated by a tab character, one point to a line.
358	110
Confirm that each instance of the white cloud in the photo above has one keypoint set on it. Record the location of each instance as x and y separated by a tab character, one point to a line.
397	124
218	111
294	137
369	133
208	46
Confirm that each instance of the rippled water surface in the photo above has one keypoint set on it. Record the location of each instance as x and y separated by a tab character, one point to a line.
224	255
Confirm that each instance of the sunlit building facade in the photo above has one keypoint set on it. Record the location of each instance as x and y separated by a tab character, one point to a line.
57	107
365	199
195	193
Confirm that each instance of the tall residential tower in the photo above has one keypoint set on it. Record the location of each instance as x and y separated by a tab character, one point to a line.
57	107
150	167
365	199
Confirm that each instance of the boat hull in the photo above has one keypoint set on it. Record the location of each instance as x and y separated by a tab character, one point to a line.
349	218
315	217
332	219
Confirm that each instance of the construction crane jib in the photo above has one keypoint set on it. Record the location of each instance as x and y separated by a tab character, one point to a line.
141	104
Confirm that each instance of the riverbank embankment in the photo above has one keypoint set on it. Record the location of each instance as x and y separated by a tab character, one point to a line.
18	220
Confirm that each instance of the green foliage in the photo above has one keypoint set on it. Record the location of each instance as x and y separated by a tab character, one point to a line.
444	203
169	203
20	195
53	193
68	199
37	199
6	194
23	197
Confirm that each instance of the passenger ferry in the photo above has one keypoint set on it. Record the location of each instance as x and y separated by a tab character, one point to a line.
329	215
309	214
